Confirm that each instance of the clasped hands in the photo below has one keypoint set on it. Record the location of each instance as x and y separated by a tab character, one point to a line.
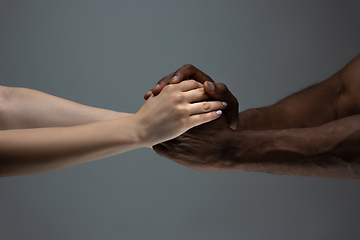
208	146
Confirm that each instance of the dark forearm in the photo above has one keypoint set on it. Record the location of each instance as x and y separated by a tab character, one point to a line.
310	107
331	150
334	98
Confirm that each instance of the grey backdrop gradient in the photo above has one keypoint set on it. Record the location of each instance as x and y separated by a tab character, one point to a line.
109	53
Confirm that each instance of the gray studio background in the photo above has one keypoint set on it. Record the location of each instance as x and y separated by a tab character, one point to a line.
109	53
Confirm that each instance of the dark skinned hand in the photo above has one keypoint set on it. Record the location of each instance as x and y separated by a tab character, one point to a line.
206	147
218	91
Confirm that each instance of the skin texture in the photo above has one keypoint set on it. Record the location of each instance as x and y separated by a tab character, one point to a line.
49	143
314	132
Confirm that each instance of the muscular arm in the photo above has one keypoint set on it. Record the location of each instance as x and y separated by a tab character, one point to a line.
26	108
315	132
330	150
314	106
332	99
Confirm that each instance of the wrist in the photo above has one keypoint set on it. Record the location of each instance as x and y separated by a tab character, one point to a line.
141	135
249	148
250	119
232	149
111	115
127	128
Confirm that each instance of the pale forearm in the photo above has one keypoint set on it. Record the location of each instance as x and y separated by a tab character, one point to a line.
331	150
27	151
161	118
26	108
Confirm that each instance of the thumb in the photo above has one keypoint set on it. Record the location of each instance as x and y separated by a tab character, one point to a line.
219	91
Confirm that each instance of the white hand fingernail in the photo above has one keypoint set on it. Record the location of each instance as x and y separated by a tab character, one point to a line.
224	103
219	112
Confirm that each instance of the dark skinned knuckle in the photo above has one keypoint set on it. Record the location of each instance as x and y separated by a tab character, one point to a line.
233	102
166	79
161	80
236	103
188	66
222	88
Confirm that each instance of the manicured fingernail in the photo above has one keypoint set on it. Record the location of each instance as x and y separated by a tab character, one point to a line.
224	103
174	78
219	112
211	86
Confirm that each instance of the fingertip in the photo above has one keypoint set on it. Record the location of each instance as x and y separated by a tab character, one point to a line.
209	86
221	88
215	115
147	95
157	89
232	119
234	126
174	79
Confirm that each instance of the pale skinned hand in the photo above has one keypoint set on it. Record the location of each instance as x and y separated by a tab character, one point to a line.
175	110
218	91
